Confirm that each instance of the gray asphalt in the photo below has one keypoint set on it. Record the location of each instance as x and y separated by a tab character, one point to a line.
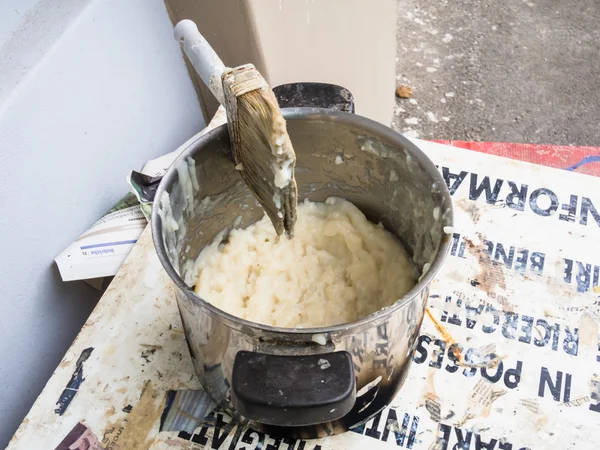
513	71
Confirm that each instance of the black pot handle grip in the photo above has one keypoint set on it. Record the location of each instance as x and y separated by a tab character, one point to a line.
314	95
293	390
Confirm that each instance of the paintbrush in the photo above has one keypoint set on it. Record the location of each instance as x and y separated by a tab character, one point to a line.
262	150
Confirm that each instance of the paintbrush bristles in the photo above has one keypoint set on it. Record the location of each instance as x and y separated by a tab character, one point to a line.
267	157
261	147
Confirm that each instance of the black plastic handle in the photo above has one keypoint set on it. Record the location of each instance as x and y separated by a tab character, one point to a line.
315	95
293	390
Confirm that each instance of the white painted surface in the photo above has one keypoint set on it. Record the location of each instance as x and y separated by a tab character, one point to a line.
11	16
347	42
108	92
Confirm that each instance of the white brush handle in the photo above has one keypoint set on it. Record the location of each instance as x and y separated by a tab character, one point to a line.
202	56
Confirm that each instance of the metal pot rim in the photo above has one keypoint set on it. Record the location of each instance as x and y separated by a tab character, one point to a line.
377	129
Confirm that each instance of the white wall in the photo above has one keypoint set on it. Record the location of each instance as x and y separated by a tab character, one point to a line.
92	89
12	14
347	42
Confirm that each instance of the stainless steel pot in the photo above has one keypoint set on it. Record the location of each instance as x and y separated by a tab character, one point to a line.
305	382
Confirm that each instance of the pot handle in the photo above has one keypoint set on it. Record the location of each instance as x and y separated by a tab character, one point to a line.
293	390
314	95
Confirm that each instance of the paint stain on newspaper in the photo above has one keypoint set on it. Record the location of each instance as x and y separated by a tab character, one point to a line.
431	401
67	395
595	388
134	431
446	336
588	331
470	208
534	415
482	357
80	437
481	397
491	274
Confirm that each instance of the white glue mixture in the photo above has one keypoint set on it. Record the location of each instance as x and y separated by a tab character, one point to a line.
338	268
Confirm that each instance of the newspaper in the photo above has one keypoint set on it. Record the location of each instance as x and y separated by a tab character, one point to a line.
101	250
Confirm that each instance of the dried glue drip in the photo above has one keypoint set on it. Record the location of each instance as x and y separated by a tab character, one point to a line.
193	175
187	188
277	199
166	214
279	132
426	268
320	339
324	364
283	173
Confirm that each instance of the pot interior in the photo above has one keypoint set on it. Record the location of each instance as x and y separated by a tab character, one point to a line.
338	154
